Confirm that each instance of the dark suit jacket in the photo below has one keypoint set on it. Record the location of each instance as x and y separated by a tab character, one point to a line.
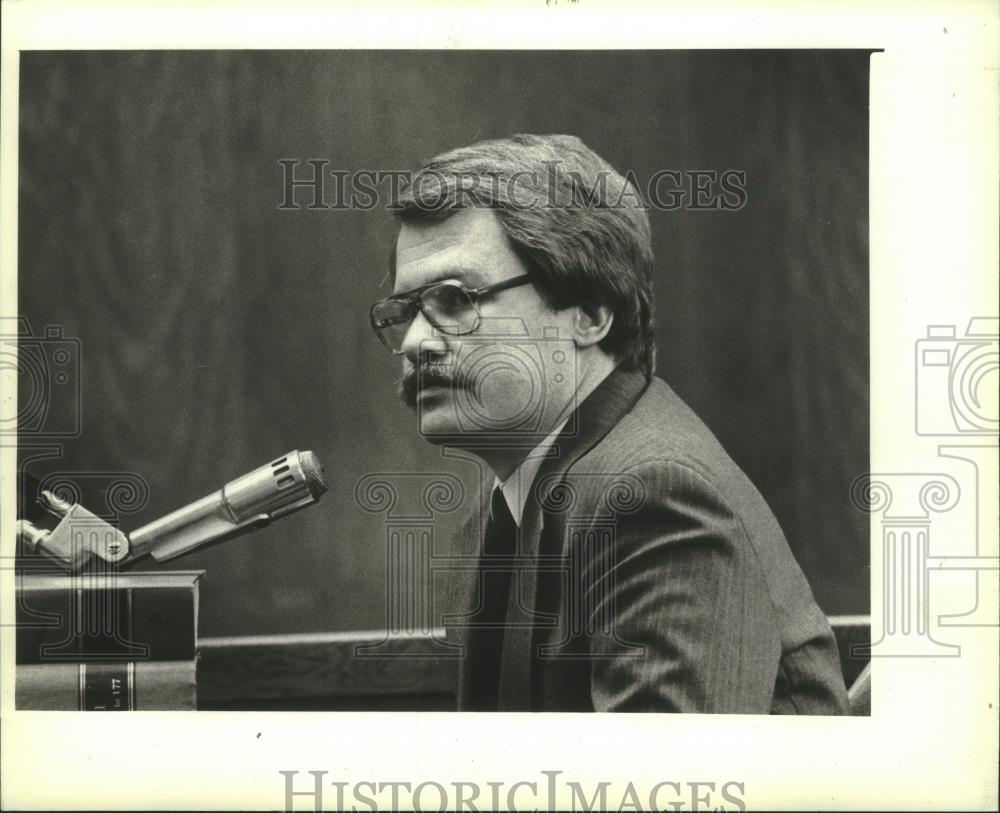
652	576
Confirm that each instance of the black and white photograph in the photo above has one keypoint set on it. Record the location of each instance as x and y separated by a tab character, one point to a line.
473	392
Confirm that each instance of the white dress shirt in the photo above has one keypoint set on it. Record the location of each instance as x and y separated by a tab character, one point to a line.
517	487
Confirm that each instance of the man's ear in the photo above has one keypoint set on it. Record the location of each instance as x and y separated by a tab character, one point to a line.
591	323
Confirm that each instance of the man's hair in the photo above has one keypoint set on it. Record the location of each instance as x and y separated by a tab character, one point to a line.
580	228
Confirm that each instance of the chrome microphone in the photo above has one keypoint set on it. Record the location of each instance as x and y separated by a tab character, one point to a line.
252	501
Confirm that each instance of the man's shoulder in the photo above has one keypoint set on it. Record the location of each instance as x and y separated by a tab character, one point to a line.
662	449
660	428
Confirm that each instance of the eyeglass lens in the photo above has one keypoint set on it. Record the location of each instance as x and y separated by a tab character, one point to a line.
448	307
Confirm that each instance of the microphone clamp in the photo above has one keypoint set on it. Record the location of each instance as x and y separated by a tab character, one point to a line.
79	536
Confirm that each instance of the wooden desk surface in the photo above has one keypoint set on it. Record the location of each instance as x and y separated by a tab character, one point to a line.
369	670
338	670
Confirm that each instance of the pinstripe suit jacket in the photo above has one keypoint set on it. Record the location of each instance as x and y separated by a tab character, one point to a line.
652	576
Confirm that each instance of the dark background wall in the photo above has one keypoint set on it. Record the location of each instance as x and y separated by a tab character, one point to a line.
217	332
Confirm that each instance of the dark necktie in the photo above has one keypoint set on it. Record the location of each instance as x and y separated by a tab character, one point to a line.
486	641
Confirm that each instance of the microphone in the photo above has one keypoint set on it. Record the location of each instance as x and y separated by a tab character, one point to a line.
252	501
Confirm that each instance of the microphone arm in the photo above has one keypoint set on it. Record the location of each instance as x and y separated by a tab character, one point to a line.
252	501
285	485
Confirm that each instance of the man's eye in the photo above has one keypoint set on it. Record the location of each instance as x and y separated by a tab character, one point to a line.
393	319
449	299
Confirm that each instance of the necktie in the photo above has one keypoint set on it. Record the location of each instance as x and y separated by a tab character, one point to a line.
486	642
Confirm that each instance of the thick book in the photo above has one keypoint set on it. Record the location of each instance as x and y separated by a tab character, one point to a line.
107	617
115	686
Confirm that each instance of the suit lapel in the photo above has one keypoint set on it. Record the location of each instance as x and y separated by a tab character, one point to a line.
593	419
465	579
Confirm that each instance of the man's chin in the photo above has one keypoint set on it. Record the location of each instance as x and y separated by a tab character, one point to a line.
440	427
439	430
440	439
440	422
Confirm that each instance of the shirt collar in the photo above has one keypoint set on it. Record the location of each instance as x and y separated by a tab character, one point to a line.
517	487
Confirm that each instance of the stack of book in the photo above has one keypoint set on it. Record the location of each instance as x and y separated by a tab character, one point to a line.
107	641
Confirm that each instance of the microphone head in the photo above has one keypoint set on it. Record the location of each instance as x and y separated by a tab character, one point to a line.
312	470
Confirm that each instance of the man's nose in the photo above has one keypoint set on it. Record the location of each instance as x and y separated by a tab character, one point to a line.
423	339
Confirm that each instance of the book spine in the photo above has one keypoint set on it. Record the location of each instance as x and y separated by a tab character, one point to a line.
74	625
116	686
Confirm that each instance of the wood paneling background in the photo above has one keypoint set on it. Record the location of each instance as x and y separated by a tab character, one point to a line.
217	332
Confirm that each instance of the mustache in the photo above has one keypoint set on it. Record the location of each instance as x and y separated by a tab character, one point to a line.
429	375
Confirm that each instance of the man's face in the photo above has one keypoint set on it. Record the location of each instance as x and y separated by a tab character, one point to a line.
515	374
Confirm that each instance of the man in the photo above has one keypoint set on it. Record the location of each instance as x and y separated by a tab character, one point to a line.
625	563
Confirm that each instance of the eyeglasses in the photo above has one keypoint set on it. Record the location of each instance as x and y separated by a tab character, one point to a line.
448	305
